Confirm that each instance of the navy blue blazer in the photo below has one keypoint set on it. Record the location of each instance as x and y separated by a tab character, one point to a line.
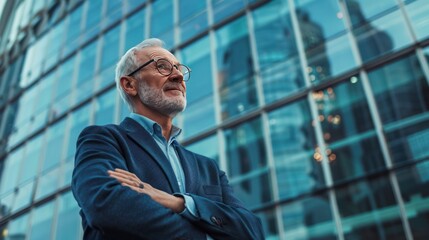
112	211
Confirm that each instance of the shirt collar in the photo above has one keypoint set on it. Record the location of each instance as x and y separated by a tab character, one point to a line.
153	127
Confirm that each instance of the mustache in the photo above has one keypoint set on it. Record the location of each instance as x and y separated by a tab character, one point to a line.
174	86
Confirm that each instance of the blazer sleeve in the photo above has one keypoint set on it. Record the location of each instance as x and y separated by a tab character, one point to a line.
228	219
112	209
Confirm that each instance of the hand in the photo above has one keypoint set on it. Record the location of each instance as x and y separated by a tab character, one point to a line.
127	179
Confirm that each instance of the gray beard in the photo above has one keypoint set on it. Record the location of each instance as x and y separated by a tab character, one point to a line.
155	99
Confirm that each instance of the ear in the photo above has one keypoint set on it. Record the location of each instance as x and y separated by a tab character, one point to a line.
129	85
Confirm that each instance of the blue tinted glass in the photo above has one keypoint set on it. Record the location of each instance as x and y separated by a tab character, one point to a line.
68	223
10	173
110	49
135	29
224	9
162	21
208	147
18	227
78	121
62	92
277	51
73	30
362	11
24	195
417	12
105	108
85	83
41	221
54	144
32	157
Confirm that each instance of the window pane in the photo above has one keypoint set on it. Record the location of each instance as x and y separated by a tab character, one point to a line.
63	93
417	11
41	221
85	83
24	196
414	185
368	210
73	30
294	143
135	29
110	49
68	223
199	114
235	69
93	18
18	228
162	27
192	18
277	51
30	164
105	108
312	214
54	145
79	120
208	147
224	9
269	224
10	171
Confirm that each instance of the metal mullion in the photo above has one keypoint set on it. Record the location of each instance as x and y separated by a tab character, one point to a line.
424	63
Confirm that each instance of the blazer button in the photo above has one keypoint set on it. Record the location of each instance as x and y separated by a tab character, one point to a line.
216	221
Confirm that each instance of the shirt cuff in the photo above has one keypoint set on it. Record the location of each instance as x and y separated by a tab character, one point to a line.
190	210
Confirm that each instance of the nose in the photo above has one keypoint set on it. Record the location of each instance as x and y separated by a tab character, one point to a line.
176	75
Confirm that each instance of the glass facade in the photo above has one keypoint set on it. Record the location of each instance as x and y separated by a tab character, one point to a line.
318	110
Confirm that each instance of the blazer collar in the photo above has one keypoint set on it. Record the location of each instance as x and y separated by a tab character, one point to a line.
190	169
143	138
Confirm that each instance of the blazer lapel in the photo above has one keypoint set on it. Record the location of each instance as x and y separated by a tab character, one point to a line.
146	141
189	166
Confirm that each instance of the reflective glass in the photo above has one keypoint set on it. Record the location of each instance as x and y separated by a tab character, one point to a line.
414	187
73	30
63	87
18	228
110	49
162	21
10	170
361	10
348	130
417	12
277	51
208	147
135	29
224	9
78	120
254	190
45	89
105	108
237	88
85	82
113	11
41	221
400	89
368	210
380	34
293	141
6	201
24	195
312	214
48	182
56	40
245	148
269	224
93	18
54	145
192	19
199	114
30	164
68	224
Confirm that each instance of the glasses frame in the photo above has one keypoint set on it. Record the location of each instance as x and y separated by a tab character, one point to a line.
171	71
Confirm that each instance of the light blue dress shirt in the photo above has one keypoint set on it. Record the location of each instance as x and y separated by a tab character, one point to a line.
167	148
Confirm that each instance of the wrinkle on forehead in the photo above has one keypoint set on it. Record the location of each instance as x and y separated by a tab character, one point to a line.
157	53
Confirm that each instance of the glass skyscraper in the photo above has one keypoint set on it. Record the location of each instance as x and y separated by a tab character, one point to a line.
318	110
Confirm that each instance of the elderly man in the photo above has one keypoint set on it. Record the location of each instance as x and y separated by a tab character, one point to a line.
135	181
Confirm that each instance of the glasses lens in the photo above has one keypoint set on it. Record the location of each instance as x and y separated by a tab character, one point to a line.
164	67
185	71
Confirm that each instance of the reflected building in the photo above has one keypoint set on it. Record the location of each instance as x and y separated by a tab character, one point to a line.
317	110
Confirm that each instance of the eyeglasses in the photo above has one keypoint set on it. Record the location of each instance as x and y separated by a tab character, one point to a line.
165	68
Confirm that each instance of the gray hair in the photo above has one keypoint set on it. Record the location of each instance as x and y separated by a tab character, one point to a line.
128	63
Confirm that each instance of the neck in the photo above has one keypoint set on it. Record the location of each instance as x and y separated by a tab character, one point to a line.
166	122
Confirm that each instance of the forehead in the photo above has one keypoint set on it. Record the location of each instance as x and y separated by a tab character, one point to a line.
156	53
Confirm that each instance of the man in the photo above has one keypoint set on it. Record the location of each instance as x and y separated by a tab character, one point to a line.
134	181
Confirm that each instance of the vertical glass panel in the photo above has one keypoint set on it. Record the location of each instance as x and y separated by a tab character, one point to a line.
208	147
54	145
348	130
73	30
293	142
56	40
105	108
113	11
48	182
400	89
109	56
135	29
277	51
10	170
85	83
93	18
247	163
361	10
192	18
199	114
309	218
45	91
18	228
379	34
162	21
24	194
30	164
269	224
124	110
414	185
41	221
68	224
224	9
326	46
6	202
78	121
368	210
418	11
63	91
236	83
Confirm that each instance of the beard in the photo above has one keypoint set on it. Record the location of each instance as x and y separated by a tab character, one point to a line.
155	98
